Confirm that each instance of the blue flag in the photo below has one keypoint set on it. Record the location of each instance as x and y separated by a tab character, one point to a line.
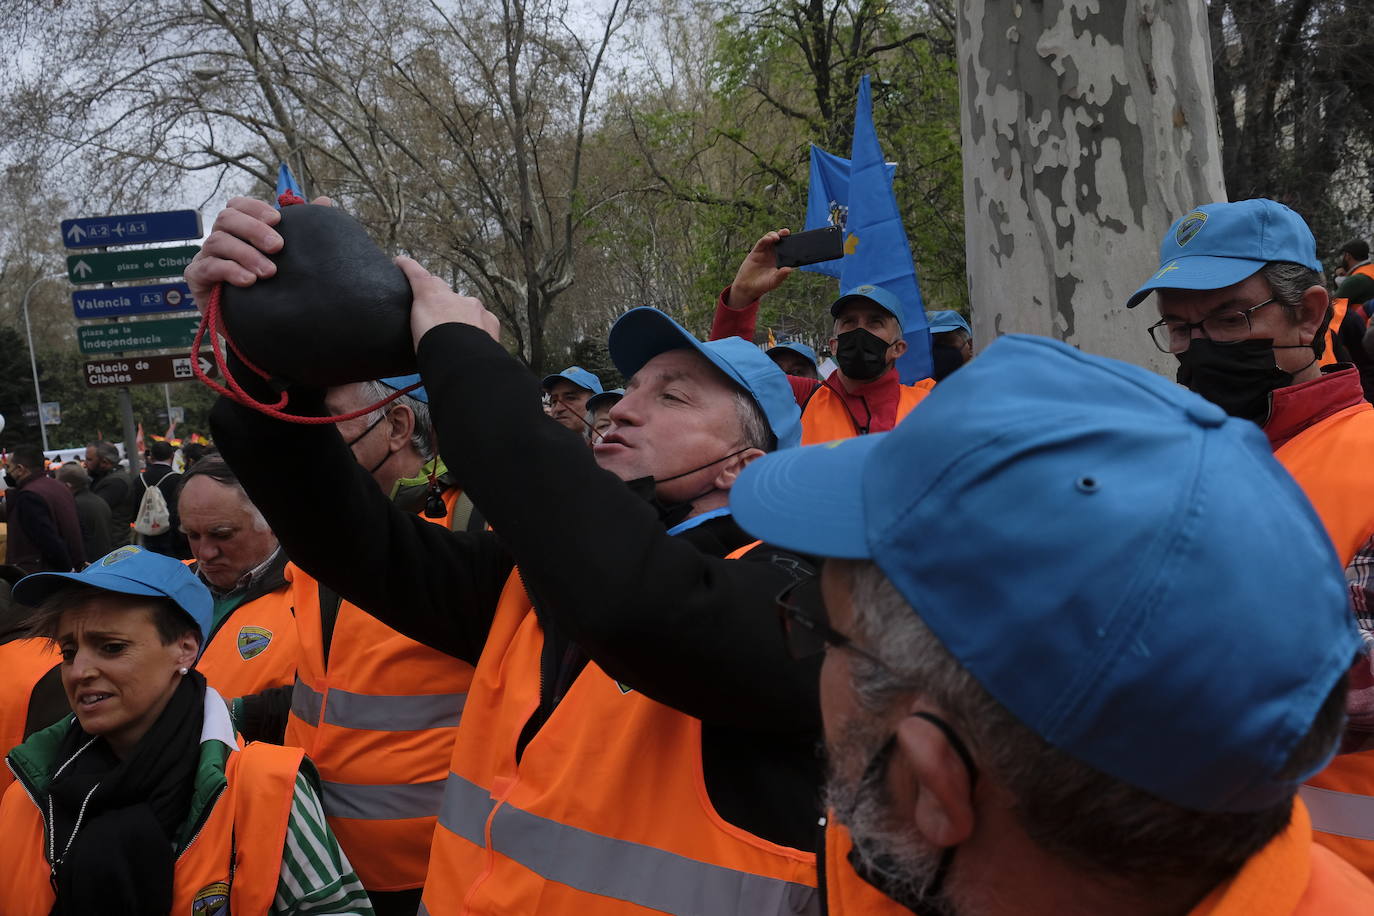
876	248
827	202
287	182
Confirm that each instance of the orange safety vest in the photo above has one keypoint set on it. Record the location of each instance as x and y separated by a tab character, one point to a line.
1325	461
235	857
254	648
846	894
605	813
825	417
24	663
379	723
1338	309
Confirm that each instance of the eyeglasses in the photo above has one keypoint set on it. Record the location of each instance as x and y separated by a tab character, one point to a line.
1173	336
801	613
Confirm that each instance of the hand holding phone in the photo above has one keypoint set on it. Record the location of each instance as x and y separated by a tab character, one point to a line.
812	247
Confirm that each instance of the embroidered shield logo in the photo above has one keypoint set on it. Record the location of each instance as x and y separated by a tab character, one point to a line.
213	900
123	553
253	641
1190	226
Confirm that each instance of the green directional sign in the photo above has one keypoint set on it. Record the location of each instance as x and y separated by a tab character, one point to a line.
108	266
119	337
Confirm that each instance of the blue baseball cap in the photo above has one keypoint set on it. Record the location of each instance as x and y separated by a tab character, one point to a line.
947	320
398	382
795	347
1120	564
130	570
610	396
578	376
643	333
1218	245
875	294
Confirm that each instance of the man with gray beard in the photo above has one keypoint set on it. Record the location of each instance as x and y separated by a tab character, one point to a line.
1084	639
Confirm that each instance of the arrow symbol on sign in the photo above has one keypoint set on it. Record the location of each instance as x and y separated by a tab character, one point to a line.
205	365
76	233
81	269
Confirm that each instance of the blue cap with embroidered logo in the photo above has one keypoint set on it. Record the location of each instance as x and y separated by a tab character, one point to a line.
130	570
578	376
875	294
399	382
643	333
1218	245
1168	608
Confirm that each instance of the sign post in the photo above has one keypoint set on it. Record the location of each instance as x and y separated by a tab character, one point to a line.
141	370
160	334
108	266
131	229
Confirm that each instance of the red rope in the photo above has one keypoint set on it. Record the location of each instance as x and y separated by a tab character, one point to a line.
212	320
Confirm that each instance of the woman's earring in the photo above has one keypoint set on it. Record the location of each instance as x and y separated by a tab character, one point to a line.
184	671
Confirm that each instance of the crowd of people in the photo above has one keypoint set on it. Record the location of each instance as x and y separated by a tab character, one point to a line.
1044	633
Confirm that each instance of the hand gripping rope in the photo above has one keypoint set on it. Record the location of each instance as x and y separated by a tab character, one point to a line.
212	321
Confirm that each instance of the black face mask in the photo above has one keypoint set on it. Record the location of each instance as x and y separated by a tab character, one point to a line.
1237	377
10	481
944	360
358	438
861	355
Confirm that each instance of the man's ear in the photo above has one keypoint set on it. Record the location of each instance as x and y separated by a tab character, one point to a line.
1313	307
899	346
942	806
400	426
730	470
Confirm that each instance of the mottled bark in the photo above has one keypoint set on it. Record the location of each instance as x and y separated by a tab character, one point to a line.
1088	127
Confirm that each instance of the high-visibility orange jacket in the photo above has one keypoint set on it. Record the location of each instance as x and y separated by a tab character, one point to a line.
378	720
23	662
1324	460
825	417
254	647
1290	876
235	856
1339	308
604	813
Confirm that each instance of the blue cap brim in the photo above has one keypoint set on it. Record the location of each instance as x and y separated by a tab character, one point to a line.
33	590
643	333
808	499
1199	272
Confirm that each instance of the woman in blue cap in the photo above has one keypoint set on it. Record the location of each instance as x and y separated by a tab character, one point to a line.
144	801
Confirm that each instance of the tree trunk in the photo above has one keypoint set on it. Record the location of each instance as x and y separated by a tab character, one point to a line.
1085	135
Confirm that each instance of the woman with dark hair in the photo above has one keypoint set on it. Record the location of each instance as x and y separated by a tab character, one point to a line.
144	801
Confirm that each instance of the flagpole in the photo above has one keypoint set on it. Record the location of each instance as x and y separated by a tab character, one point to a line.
33	359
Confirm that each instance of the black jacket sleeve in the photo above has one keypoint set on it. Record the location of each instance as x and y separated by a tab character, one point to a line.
688	629
435	586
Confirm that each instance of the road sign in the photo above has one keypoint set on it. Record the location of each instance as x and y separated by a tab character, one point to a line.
107	373
108	266
52	413
131	229
160	334
131	300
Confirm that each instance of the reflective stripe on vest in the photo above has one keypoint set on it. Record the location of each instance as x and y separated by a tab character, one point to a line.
607	867
382	803
377	713
1341	813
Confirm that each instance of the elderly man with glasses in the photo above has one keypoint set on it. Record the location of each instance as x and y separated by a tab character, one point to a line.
1243	308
